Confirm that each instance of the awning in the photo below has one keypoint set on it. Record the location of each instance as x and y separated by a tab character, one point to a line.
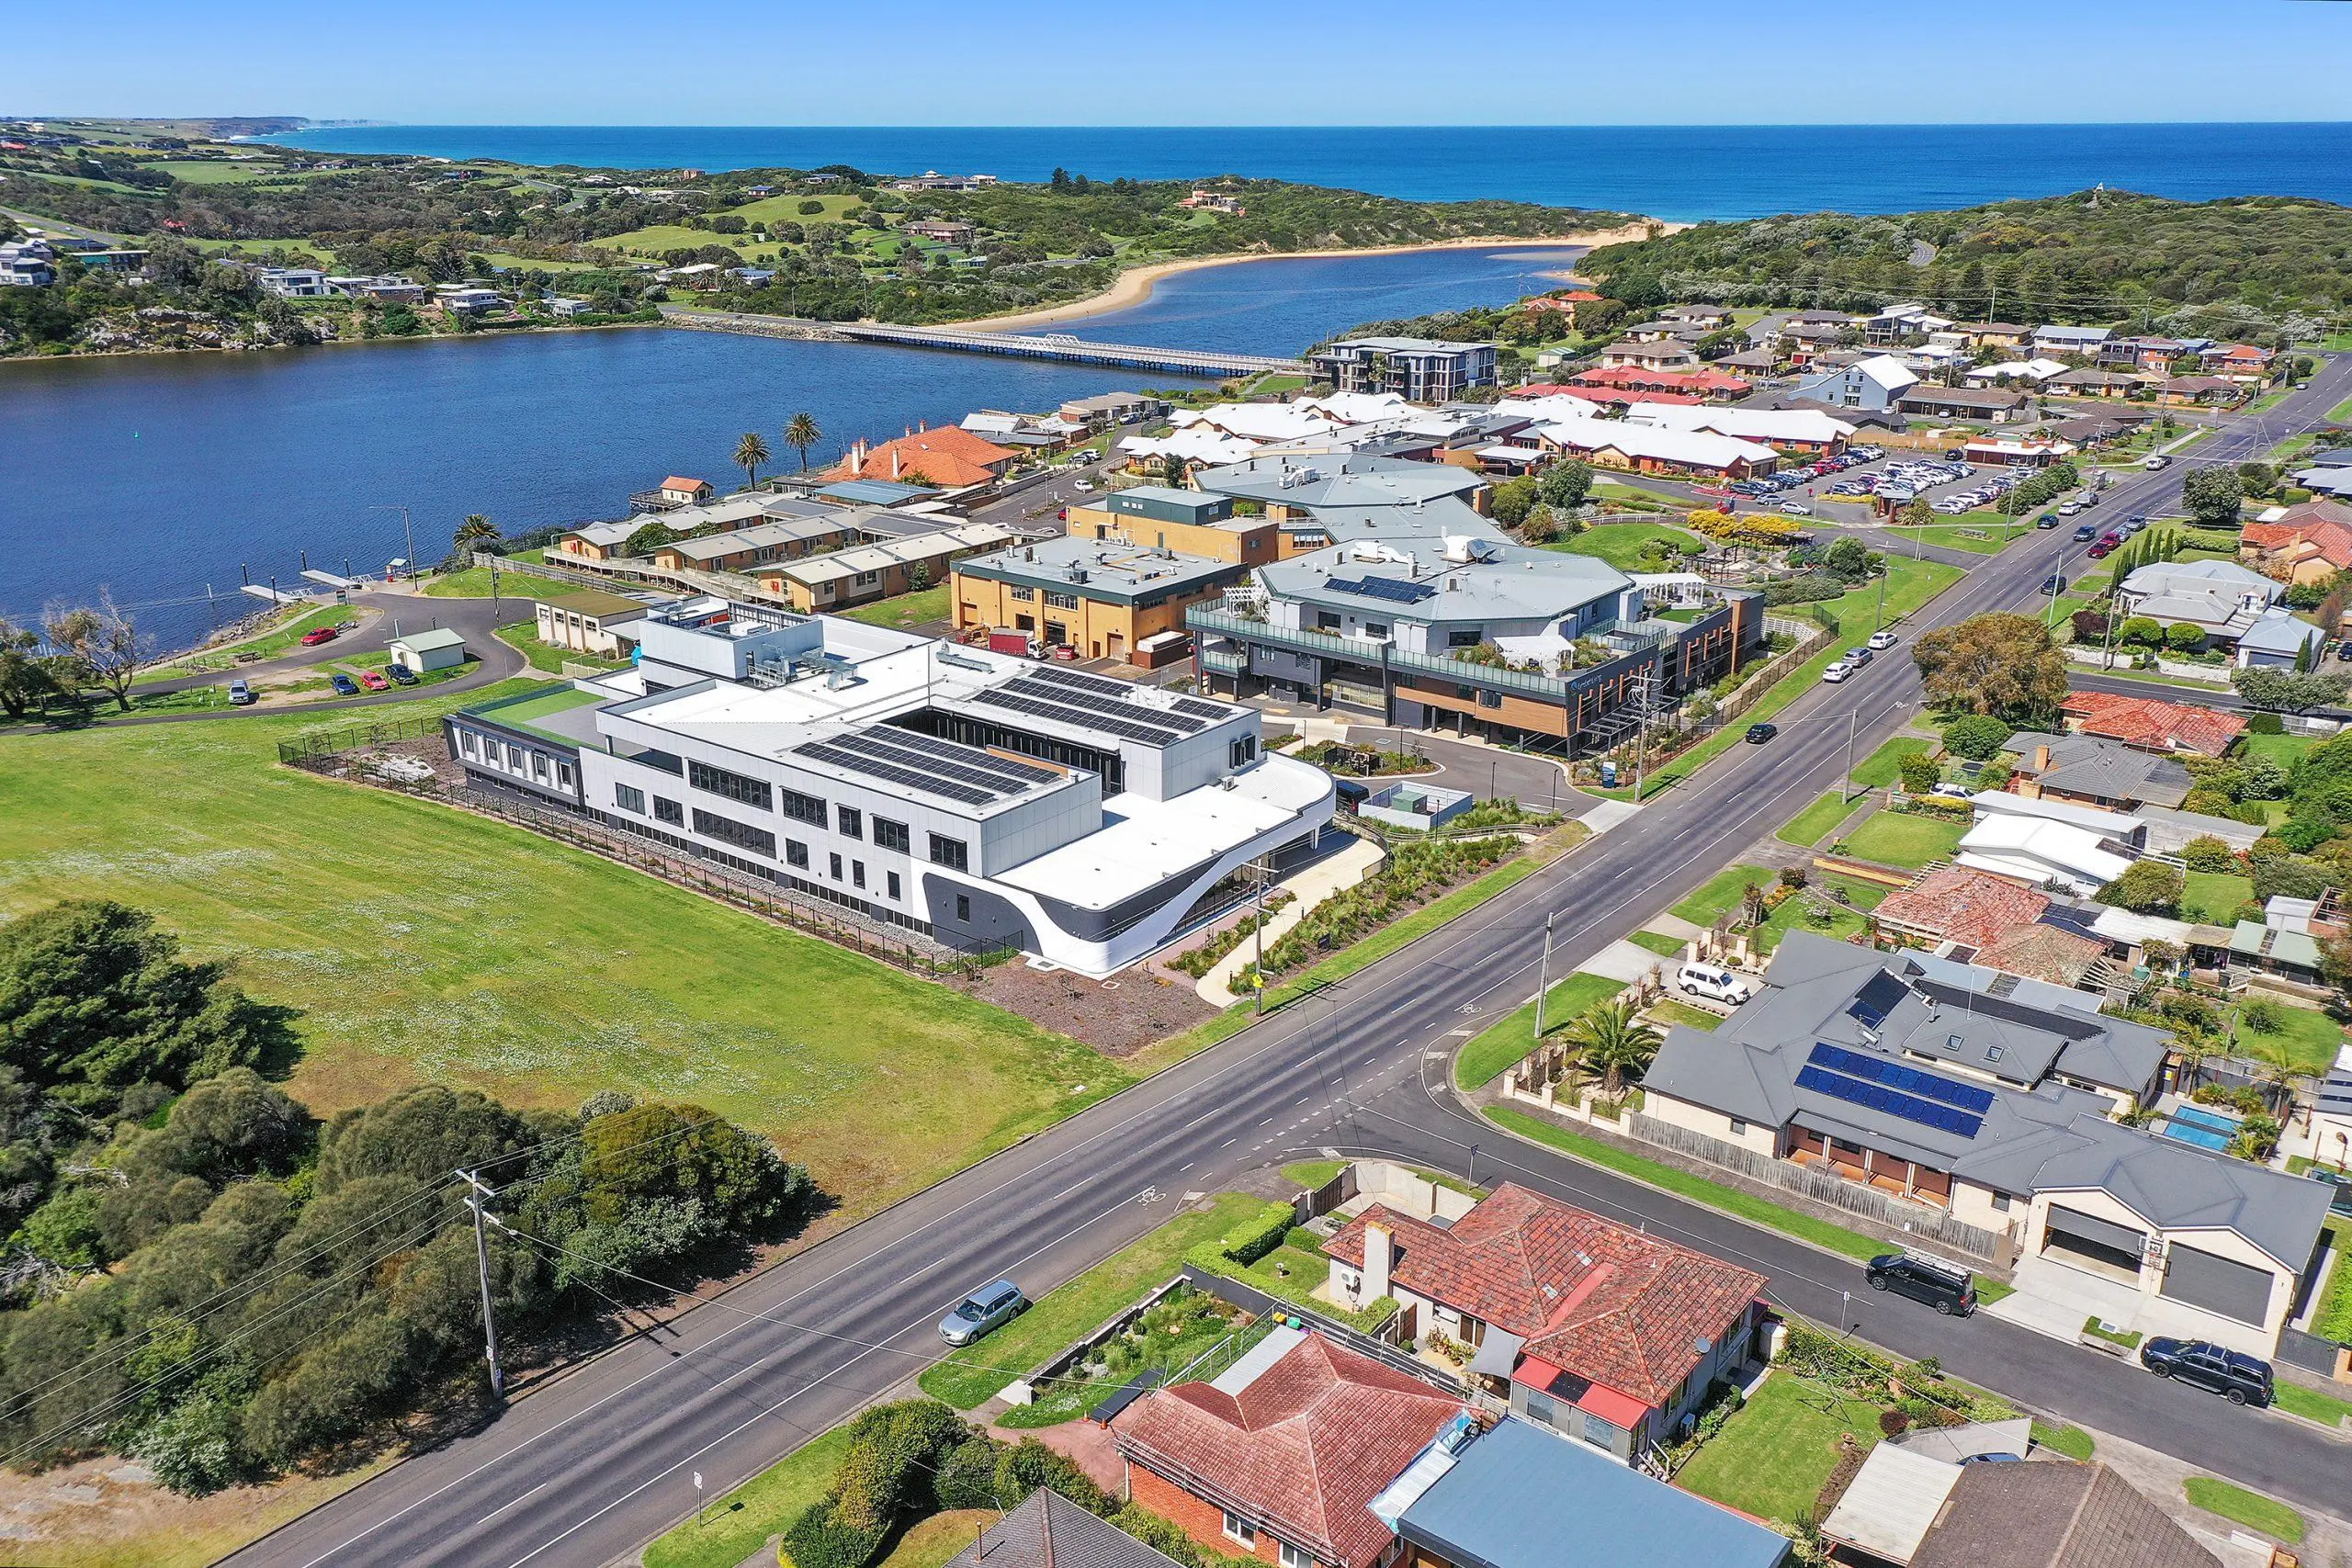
1497	1353
1617	1410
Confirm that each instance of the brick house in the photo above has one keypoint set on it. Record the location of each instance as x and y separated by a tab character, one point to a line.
2152	724
2309	543
1279	1458
1599	1332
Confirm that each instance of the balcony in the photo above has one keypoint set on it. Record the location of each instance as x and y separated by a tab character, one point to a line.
1633	642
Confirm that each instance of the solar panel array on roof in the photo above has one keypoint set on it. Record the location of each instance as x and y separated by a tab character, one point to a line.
1013	768
1199	709
1183	723
976	768
1395	590
1896	1075
892	773
1080	681
1909	1104
1078	718
1878	996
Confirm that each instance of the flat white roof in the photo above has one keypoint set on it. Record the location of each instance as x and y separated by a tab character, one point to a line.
1143	842
1891	1502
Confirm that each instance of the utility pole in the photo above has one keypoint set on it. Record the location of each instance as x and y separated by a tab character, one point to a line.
493	591
407	533
474	1199
1258	896
1641	728
1543	977
1853	719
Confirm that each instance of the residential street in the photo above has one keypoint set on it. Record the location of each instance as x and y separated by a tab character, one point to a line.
585	1470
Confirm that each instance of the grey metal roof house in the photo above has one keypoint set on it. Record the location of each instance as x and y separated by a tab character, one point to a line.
1520	1496
1048	1531
2103	773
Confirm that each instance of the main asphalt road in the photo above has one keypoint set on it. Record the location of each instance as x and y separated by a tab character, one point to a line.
592	1465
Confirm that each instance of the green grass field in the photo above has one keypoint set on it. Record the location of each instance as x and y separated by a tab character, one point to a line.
1978	533
267	645
1812	824
1721	894
1494	1050
2248	1509
2307	1038
1773	1458
2313	1406
1823	915
969	1378
923	605
1669	1011
1665	946
424	945
2283	750
2072	1441
1620	544
738	1524
1883	766
1899	838
2210	897
550	658
473	582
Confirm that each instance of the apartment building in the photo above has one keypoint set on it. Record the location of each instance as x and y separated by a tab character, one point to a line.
1421	370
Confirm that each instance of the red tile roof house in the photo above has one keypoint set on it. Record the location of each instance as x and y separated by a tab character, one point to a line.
2151	725
1973	909
1602	1333
2310	543
1282	1466
949	457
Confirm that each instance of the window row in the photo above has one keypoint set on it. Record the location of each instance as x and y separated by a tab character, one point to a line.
534	765
733	786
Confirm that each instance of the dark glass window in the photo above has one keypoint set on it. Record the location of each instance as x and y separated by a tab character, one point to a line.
851	820
805	808
727	831
669	811
796	853
893	883
734	786
890	835
962	907
950	852
628	797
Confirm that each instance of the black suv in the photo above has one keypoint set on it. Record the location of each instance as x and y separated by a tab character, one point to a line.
1947	1287
2241	1379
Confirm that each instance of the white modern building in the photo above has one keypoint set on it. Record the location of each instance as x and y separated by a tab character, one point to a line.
983	800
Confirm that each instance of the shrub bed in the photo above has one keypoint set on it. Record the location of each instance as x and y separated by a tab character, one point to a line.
1415	873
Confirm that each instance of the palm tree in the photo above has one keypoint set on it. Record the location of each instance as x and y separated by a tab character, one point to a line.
1610	1040
800	433
475	531
750	453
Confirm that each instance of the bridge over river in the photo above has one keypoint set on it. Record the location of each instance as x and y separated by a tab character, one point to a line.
1047	345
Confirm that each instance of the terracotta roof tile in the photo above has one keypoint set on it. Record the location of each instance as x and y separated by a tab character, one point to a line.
1300	1451
2043	952
949	456
1595	1299
1967	907
2146	721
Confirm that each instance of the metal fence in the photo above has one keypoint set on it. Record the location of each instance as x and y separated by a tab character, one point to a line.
1916	1219
314	747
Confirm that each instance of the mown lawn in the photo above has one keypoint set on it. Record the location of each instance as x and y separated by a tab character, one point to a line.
969	1378
2282	750
2248	1509
422	944
1883	766
1495	1049
2210	896
473	582
1622	544
1978	533
1824	915
2307	1038
923	605
1722	894
1665	946
267	645
1773	1458
1899	838
737	1525
1812	824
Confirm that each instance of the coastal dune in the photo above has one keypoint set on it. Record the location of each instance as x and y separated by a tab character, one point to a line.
1136	285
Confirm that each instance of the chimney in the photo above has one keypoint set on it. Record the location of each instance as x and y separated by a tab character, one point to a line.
1378	1251
2041	758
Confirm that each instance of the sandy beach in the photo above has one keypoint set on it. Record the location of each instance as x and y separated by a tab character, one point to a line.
1136	283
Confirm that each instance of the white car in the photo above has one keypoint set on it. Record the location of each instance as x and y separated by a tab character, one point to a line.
1882	640
1837	672
1083	487
1796	509
1714	982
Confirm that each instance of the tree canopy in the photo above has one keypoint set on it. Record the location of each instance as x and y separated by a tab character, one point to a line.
2002	665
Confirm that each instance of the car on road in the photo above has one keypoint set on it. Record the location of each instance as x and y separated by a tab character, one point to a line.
240	693
2085	533
1759	733
1858	657
2091	498
374	681
344	687
990	1307
1947	1287
1882	641
2135	526
1796	509
1837	672
402	674
2053	585
2101	551
1714	982
1084	487
2070	508
2047	520
2238	1378
318	635
2158	461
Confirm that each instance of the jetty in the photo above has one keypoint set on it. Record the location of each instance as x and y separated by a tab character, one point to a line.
1062	346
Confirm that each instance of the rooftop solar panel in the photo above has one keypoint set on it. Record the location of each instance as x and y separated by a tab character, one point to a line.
1975	1098
1088	701
936	746
1395	590
890	772
1080	681
1076	718
1893	1102
973	767
1878	998
1211	712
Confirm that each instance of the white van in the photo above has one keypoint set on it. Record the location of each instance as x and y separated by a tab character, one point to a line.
1712	982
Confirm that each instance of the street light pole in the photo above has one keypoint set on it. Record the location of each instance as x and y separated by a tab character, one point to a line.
407	532
482	1191
1259	974
1853	720
1543	977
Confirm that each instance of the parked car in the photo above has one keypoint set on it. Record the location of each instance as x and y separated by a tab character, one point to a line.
1858	657
1759	733
2238	1378
1083	487
2091	498
374	681
1954	792
1796	509
2053	585
1992	1458
990	1307
2101	551
2085	533
1837	672
2343	653
1882	641
402	674
1714	982
1947	1287
240	693
344	687
318	635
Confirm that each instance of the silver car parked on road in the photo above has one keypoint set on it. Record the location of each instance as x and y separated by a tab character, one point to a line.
990	1307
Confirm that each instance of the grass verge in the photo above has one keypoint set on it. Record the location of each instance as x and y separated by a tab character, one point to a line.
1665	946
1312	1173
740	1523
2313	1406
1812	825
1698	1188
1883	766
1499	1045
2248	1509
523	637
1722	895
2072	1441
970	1378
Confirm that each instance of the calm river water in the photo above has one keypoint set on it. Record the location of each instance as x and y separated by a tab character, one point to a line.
157	476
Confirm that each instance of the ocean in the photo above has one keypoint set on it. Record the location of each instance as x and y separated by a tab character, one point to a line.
1682	172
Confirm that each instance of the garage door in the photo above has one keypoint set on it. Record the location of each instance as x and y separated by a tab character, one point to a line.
2218	1284
2120	1245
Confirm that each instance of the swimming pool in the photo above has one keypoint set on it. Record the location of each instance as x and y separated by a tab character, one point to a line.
2194	1125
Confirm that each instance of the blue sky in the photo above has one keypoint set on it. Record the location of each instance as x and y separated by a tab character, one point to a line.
1188	61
